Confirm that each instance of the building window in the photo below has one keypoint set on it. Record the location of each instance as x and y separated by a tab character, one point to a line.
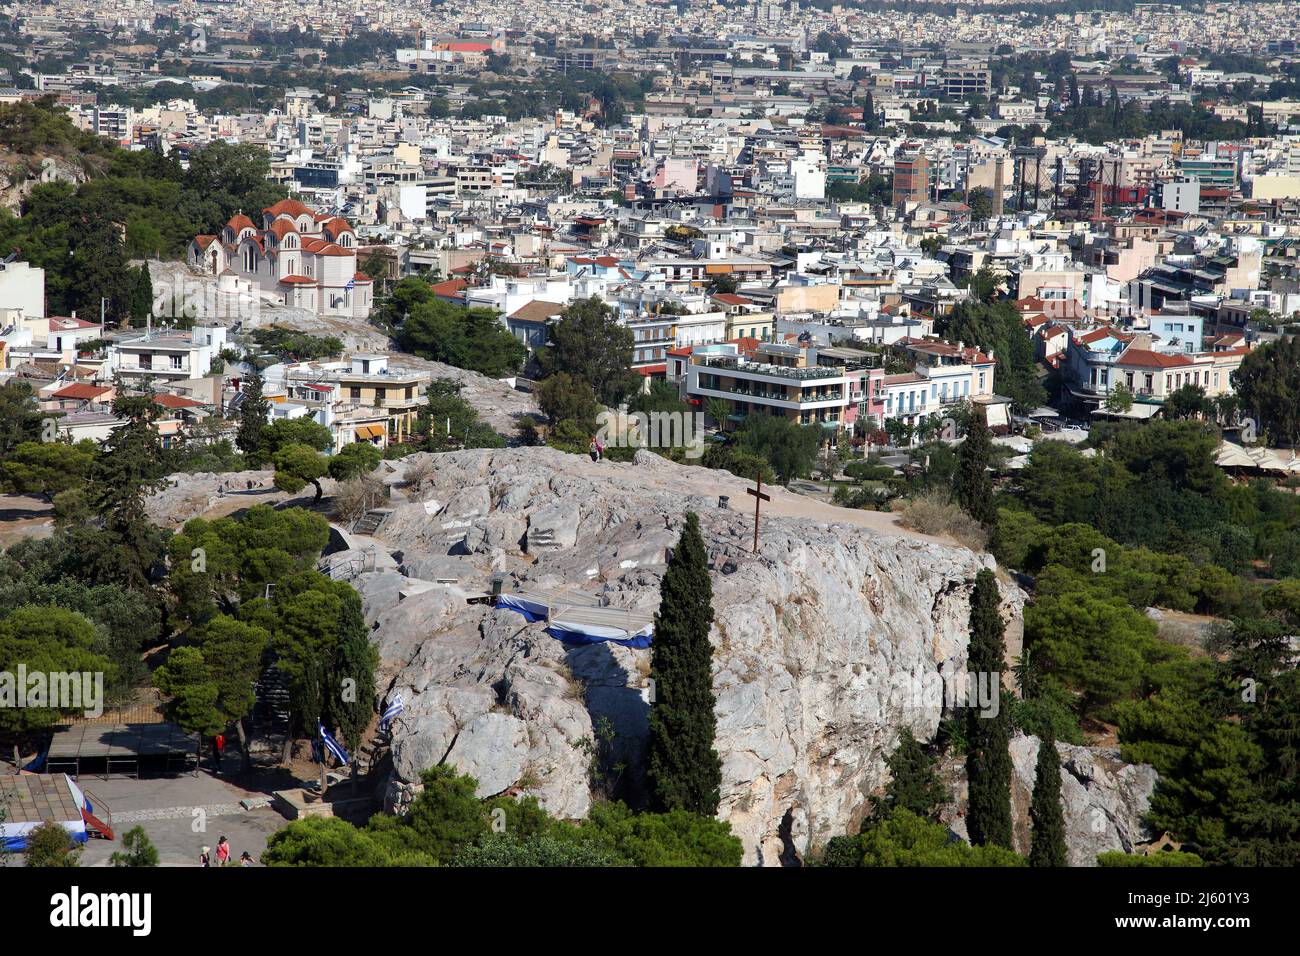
176	361
354	393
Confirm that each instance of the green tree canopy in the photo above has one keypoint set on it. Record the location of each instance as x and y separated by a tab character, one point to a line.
590	343
1268	382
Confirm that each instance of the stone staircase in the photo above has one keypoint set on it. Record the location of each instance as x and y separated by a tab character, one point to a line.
370	522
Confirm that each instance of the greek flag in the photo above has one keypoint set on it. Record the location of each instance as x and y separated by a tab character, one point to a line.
395	707
352	284
332	746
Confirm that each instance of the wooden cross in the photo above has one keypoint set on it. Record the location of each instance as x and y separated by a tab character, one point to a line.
759	498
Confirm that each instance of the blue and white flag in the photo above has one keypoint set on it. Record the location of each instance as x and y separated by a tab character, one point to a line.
352	284
395	707
332	746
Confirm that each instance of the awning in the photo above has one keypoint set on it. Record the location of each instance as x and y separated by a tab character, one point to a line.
368	432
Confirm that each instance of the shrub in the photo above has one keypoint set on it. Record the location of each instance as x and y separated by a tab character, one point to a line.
932	514
866	471
354	498
1168	858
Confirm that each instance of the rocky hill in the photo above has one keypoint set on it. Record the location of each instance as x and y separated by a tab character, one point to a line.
827	642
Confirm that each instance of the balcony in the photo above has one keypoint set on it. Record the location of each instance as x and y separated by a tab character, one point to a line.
821	397
777	371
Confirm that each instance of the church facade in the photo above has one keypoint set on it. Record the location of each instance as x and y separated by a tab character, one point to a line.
307	260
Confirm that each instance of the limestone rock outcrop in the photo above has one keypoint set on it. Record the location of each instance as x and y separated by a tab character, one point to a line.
828	642
1103	799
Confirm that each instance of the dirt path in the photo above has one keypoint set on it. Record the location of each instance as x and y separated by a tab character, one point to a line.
22	516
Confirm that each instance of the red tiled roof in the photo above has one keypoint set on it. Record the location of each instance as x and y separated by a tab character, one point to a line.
297	280
281	227
730	298
80	391
69	324
1096	335
1145	358
176	401
450	288
289	207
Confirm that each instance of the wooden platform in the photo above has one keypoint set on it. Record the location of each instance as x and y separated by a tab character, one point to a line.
118	748
37	797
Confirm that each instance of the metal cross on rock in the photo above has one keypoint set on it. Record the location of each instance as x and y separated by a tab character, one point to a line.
759	498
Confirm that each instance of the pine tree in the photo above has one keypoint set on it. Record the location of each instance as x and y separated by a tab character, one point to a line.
1047	840
913	785
121	479
682	767
988	761
253	414
974	487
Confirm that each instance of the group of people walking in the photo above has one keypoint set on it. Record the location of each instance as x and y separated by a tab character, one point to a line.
222	856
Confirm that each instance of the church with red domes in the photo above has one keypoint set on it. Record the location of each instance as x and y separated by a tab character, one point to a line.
306	259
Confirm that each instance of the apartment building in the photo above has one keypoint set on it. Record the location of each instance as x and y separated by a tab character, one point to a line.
166	356
362	399
1148	367
808	385
911	179
943	375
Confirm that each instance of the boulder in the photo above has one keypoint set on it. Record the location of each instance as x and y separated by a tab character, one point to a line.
493	749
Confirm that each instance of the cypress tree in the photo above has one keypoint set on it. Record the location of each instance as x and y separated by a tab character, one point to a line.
683	771
913	785
253	414
974	487
142	296
988	761
1047	840
351	705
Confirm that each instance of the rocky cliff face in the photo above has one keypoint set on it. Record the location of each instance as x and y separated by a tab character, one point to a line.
1103	799
827	642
